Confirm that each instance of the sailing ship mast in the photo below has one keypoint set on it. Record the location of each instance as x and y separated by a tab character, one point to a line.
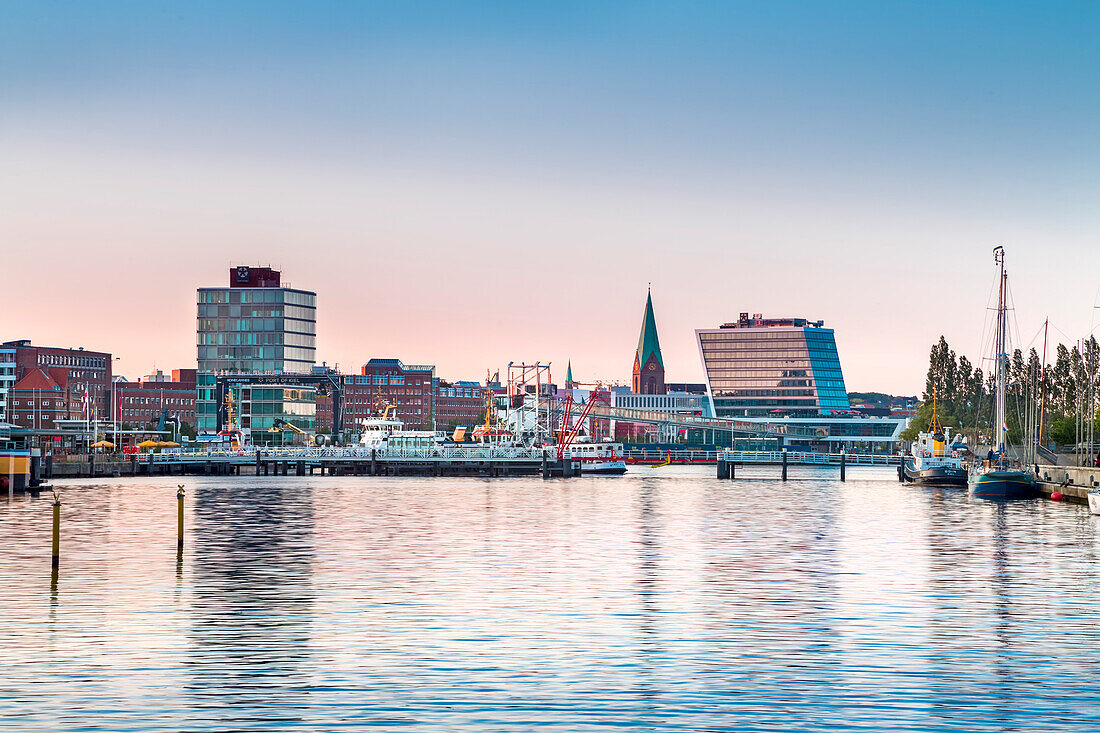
999	258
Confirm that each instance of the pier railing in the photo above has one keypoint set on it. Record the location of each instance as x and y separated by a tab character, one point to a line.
451	453
761	457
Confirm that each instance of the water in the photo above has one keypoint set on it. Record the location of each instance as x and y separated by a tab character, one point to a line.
663	600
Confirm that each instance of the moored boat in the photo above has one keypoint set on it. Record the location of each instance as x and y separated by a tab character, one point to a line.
1094	501
931	461
996	479
598	458
1003	484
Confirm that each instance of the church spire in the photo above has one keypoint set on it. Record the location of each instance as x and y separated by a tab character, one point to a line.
648	343
569	375
649	364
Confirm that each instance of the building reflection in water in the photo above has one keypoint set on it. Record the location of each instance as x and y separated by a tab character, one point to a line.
252	603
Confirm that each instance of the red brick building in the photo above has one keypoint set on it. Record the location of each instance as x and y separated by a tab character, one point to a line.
385	382
91	370
459	403
41	397
142	401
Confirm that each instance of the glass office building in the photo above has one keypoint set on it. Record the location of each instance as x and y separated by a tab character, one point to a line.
255	325
261	330
261	406
759	367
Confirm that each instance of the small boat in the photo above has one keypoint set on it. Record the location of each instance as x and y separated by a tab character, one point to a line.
931	461
996	479
1094	501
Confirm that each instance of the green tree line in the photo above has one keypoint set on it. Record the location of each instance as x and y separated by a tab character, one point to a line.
964	392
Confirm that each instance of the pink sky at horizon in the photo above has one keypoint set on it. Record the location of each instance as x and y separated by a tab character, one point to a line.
468	186
449	288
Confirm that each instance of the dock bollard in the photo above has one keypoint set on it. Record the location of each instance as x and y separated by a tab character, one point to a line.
56	530
843	457
179	517
784	464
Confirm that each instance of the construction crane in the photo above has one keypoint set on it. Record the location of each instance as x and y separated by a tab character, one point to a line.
279	425
566	436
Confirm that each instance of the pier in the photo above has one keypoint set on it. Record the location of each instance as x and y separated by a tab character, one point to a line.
453	461
490	462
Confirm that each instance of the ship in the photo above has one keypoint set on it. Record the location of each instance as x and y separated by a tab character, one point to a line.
996	478
932	462
386	433
598	458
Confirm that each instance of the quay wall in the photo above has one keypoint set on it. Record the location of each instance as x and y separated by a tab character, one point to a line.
1072	482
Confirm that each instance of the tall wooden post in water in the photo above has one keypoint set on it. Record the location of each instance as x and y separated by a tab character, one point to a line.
784	464
56	530
179	517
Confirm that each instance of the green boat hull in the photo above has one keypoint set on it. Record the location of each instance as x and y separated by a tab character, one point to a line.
1003	485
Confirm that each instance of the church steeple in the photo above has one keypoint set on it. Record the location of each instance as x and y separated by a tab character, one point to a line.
649	365
569	375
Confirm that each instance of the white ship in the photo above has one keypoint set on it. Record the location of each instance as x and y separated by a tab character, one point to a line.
386	433
598	458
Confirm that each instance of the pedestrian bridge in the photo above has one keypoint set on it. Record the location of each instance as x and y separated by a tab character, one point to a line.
760	457
738	428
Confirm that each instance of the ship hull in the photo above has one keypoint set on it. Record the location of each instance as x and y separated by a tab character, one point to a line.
1003	485
938	476
603	468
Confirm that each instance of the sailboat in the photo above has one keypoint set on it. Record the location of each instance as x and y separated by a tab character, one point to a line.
996	479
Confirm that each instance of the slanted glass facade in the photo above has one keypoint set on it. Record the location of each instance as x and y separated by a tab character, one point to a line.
761	371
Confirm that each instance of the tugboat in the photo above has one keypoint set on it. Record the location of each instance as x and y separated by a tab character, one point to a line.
931	462
996	479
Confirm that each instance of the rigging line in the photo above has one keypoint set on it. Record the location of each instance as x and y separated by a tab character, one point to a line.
985	322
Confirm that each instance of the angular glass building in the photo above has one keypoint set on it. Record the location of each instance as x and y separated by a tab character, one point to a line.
759	367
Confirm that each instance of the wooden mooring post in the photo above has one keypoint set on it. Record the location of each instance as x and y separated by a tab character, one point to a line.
784	464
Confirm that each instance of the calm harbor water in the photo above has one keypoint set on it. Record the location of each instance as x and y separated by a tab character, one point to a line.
662	600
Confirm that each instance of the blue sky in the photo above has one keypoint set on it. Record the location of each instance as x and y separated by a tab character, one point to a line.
839	161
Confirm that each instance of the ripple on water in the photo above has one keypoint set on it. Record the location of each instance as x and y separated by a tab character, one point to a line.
662	600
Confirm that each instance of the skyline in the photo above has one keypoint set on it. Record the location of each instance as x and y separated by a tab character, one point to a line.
508	180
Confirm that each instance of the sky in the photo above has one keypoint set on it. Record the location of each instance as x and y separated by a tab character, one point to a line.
468	184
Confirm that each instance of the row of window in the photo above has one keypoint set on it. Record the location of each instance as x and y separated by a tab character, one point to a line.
255	295
378	379
765	335
294	325
89	362
45	403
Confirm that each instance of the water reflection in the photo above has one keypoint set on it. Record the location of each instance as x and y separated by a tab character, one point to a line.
251	604
664	600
